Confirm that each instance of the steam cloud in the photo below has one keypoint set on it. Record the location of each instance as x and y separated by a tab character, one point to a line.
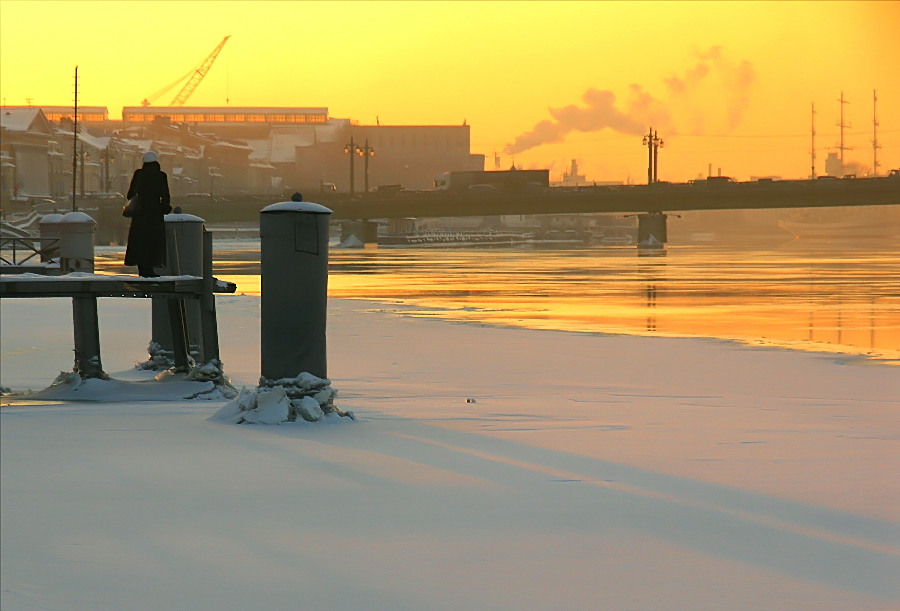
712	77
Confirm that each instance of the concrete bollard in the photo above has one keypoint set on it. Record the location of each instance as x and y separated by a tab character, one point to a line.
76	242
294	285
49	228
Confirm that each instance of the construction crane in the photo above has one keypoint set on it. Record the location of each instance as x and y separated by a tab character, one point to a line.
194	76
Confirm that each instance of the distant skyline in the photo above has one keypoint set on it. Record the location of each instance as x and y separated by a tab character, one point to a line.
726	84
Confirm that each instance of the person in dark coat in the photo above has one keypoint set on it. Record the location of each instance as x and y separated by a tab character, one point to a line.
147	234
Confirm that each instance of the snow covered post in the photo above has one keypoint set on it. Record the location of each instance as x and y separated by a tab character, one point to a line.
76	254
76	242
49	226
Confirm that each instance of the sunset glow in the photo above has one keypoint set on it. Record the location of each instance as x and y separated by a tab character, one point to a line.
728	85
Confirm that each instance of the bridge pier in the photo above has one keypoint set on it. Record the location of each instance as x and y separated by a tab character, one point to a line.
652	232
363	231
177	330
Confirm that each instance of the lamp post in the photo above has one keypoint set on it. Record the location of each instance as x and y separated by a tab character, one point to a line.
351	150
653	142
657	144
365	152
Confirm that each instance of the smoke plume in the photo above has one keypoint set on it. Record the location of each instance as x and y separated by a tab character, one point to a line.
686	109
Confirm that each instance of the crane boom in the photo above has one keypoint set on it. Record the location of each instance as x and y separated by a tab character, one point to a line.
198	75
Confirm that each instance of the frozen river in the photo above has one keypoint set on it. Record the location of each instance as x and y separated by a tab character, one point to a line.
835	297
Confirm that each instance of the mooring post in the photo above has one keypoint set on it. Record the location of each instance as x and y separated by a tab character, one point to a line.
76	254
76	242
49	228
294	286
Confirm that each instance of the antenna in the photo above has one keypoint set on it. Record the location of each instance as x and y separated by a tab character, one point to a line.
812	144
842	125
875	145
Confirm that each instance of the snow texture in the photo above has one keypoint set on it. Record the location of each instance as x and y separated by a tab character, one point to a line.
487	468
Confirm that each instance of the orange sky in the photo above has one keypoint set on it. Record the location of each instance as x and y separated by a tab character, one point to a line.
725	83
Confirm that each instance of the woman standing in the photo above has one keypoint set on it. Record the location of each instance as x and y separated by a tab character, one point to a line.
147	234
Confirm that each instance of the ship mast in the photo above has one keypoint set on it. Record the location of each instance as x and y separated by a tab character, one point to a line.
842	125
875	145
812	145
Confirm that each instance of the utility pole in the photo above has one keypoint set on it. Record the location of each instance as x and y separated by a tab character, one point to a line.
812	144
75	145
842	125
875	145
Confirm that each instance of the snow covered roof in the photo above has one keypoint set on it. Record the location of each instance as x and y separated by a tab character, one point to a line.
24	120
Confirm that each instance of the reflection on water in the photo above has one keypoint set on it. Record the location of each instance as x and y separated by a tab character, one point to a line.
808	296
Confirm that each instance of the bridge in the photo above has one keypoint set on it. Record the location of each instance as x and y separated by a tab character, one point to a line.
619	199
649	202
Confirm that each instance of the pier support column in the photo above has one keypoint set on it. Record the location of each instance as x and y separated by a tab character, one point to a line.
652	234
358	233
87	338
184	257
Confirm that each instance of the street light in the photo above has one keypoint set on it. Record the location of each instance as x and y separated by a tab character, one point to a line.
657	144
351	149
366	151
653	142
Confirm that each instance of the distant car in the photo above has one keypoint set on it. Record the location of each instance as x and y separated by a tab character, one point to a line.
197	198
44	205
483	188
110	195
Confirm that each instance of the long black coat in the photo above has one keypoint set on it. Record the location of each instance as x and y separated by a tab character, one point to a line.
147	234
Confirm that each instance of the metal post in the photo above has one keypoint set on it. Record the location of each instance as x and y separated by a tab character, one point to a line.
656	157
648	141
350	149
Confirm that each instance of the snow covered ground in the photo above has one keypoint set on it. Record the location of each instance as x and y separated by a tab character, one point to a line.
487	469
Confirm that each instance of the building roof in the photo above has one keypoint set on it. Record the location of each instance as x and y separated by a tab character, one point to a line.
28	119
227	110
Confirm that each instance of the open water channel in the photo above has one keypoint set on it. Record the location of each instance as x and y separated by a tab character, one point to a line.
839	297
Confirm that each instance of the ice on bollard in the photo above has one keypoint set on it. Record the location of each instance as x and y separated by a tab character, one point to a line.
304	398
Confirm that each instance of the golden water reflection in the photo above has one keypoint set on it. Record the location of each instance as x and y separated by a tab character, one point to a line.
830	299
